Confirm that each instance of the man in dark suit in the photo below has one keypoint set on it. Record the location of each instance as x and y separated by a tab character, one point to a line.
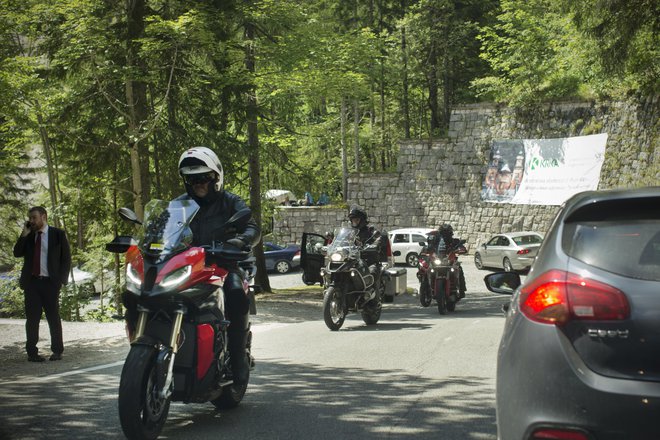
46	264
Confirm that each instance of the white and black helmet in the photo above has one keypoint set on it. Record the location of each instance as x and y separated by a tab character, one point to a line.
199	160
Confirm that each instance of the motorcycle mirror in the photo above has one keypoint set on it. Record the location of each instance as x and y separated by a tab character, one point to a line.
128	215
240	217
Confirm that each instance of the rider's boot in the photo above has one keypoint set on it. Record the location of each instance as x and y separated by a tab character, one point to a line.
461	283
237	337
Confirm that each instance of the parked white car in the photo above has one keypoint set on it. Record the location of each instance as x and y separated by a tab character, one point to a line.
407	241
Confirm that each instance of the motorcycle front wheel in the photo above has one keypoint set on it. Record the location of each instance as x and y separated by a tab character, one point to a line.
333	309
142	412
440	296
425	293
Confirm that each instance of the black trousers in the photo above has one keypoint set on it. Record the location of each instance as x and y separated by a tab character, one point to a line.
42	294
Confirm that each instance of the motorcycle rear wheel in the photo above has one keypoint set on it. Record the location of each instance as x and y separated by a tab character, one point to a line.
142	413
372	310
231	396
425	293
440	294
333	309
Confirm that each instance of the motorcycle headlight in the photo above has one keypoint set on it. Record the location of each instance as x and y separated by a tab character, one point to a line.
336	257
437	262
177	277
133	275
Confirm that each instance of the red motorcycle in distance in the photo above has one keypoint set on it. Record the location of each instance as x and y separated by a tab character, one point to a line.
439	272
179	344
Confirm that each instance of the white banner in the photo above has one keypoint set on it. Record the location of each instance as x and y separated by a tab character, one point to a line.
543	171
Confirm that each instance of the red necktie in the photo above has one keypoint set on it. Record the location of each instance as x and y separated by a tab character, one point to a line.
36	260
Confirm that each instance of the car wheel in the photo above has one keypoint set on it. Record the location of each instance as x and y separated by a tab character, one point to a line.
412	259
282	266
477	261
507	265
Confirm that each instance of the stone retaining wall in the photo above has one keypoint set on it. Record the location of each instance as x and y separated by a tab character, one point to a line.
439	180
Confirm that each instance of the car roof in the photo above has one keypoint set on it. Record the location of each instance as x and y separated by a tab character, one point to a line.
520	233
422	231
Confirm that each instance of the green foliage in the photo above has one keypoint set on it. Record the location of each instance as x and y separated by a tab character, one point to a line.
544	50
12	304
67	68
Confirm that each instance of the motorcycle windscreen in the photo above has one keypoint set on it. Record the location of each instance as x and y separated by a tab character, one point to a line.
166	226
312	257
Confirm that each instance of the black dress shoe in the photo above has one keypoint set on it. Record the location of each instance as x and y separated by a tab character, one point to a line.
36	358
55	356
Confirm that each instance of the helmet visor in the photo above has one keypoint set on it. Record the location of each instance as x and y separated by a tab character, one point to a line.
199	179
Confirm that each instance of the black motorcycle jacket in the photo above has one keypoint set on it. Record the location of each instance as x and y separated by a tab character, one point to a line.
370	236
214	214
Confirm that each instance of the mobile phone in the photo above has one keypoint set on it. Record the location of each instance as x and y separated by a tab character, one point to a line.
27	223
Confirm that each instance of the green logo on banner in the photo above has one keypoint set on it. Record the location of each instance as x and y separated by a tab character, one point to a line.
538	162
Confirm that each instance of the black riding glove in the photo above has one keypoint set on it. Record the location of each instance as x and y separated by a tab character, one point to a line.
237	242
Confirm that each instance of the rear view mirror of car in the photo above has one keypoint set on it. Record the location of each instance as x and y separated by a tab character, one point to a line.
502	282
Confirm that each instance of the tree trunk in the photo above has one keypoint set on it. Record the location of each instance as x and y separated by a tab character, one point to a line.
136	101
45	142
433	91
405	104
252	112
344	161
356	134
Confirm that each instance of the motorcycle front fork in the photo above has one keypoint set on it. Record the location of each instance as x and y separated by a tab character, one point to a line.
166	354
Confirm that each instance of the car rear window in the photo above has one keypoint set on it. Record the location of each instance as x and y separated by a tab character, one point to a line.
629	248
527	239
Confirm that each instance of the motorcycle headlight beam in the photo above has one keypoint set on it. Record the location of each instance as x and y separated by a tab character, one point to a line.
336	257
177	277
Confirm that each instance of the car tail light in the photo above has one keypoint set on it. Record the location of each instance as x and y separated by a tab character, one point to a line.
558	434
523	251
556	297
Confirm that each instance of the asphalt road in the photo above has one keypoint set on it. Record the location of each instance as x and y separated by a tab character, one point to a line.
415	374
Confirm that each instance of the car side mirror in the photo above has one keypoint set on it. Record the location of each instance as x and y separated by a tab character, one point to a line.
396	253
422	243
502	282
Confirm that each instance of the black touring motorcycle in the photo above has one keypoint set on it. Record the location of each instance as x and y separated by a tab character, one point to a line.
349	285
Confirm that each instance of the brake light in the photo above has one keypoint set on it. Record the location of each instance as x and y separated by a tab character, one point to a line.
558	434
523	252
556	297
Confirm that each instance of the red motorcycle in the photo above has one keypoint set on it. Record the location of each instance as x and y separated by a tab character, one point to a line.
179	344
439	275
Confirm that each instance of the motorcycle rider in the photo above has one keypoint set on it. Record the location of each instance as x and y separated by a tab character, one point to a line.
447	242
202	175
369	236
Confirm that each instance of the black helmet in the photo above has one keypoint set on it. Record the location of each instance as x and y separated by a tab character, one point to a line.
357	212
446	231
